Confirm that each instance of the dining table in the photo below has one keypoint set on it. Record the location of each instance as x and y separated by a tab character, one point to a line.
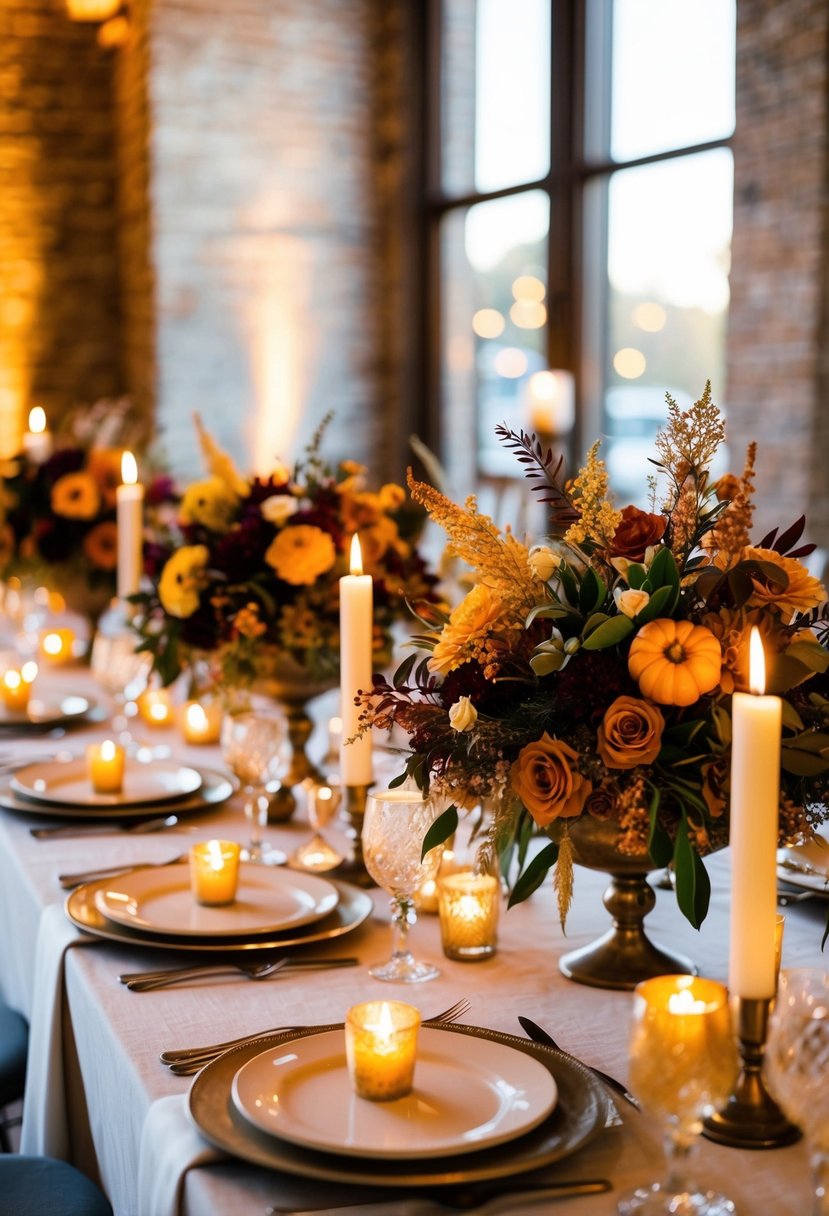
98	1095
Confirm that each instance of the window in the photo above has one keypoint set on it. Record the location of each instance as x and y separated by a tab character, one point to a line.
579	209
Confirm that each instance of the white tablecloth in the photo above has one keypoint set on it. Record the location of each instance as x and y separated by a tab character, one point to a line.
123	1117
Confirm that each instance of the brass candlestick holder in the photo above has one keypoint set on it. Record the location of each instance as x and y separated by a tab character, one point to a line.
751	1118
354	868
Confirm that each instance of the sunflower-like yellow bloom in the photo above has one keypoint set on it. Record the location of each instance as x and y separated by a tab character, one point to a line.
180	581
300	554
469	630
803	592
210	503
76	496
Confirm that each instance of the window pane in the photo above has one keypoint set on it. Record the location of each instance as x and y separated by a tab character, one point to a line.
669	235
494	329
496	94
673	74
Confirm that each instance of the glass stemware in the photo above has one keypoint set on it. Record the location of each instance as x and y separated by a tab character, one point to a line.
683	1063
252	743
318	854
797	1065
394	826
121	669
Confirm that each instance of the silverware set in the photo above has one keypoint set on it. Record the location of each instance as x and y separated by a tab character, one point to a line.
69	881
136	827
484	1198
146	981
539	1035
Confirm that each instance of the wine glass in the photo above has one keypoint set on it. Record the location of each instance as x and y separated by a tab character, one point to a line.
318	854
683	1064
797	1064
252	742
394	826
119	667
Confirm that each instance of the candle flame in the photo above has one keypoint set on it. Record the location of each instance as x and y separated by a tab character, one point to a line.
356	555
107	750
29	671
685	1002
214	853
158	711
12	680
756	663
196	717
325	793
37	420
52	643
129	469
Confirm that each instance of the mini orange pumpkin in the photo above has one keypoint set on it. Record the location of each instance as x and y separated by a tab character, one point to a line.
675	662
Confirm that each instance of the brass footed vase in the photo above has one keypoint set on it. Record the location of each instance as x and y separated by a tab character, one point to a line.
625	954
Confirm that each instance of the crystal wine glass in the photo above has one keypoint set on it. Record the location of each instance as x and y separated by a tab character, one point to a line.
318	854
394	826
119	667
252	742
683	1063
797	1064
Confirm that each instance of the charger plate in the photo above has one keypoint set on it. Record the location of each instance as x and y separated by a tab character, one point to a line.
469	1093
269	900
353	907
50	708
216	787
578	1116
812	856
67	783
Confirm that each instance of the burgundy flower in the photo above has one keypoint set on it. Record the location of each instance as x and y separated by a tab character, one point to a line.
635	532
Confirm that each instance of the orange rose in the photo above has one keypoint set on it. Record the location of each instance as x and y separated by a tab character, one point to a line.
604	801
637	530
630	733
547	781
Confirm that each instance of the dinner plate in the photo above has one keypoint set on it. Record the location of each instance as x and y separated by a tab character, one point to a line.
67	782
354	906
47	709
579	1114
469	1094
216	787
811	856
268	900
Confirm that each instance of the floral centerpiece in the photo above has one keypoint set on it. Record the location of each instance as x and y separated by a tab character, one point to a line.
250	574
590	678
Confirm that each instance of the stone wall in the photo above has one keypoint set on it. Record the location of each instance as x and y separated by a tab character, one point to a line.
778	371
59	323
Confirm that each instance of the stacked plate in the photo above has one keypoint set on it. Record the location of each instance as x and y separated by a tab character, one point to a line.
274	908
806	865
485	1105
62	788
48	709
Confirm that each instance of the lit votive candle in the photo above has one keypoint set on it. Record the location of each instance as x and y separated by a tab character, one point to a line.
17	687
426	896
105	764
155	707
214	872
56	645
201	723
381	1048
468	905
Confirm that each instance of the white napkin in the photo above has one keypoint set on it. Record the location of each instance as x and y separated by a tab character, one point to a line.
45	1122
170	1146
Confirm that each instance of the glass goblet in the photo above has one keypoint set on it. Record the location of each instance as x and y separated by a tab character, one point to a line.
797	1064
683	1064
318	854
252	749
394	825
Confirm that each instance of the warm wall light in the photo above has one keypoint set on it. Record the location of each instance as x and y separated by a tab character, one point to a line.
92	10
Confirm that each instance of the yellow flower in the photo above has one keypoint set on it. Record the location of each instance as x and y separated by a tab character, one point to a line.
803	592
468	630
376	540
300	554
392	496
75	496
210	503
179	584
101	545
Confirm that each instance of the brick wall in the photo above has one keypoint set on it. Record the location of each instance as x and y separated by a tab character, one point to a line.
58	280
778	373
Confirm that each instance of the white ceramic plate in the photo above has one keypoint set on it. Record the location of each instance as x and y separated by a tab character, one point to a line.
268	900
469	1094
48	709
216	788
67	782
813	858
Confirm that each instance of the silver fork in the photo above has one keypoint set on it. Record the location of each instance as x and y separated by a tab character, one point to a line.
186	1061
68	881
145	981
106	829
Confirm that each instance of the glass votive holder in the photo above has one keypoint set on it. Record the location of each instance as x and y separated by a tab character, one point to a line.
381	1048
468	906
201	722
214	872
56	646
16	687
155	707
105	765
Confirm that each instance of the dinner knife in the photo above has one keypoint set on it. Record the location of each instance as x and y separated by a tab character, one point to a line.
470	1198
539	1035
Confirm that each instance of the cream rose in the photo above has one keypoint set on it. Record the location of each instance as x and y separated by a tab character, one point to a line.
463	715
278	508
543	562
629	602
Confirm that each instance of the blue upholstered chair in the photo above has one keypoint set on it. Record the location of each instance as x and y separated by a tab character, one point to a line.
14	1041
38	1186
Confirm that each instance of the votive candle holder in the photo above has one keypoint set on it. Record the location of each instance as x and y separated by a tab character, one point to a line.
214	872
201	722
381	1049
468	906
105	765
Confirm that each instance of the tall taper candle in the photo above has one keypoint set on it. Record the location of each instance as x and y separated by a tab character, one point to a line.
356	634
37	440
755	795
130	510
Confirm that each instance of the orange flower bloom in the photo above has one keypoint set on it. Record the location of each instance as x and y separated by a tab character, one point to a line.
300	554
104	467
76	496
547	781
803	592
100	545
630	733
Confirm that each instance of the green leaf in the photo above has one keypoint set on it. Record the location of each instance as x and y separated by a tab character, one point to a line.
791	718
443	827
661	603
534	875
544	610
802	764
404	670
568	582
810	654
636	576
683	732
593	622
660	846
609	634
693	888
395	781
546	662
663	570
592	592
